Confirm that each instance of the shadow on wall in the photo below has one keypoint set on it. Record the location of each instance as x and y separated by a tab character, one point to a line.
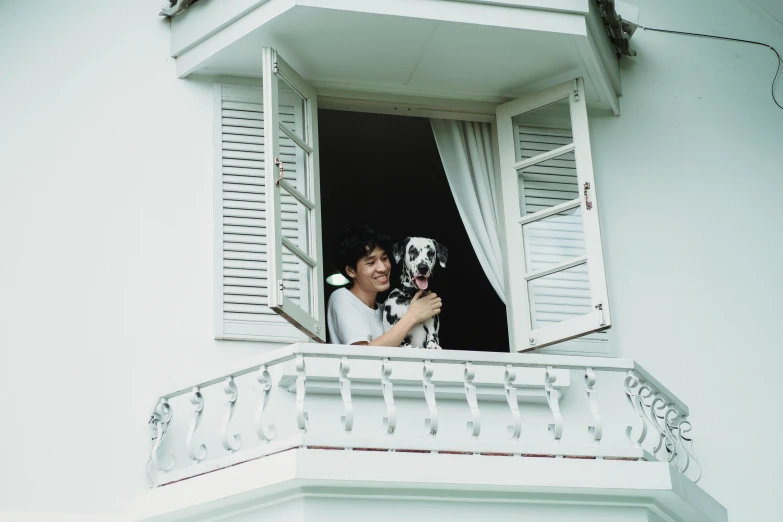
386	171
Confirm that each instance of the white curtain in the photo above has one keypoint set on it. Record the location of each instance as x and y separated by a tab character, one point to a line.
466	152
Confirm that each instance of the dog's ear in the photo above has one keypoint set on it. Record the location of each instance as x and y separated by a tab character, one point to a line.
398	249
442	253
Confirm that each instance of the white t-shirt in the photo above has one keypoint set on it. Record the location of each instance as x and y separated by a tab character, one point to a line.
350	320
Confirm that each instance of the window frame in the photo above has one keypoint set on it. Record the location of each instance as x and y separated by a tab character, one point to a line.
523	336
313	323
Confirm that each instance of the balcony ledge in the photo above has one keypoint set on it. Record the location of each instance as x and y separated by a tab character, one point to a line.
594	486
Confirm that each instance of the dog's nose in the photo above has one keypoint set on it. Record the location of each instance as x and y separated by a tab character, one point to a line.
423	268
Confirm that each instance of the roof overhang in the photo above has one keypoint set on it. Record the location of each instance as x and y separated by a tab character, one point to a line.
483	50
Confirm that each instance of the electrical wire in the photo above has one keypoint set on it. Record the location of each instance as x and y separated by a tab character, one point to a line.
777	54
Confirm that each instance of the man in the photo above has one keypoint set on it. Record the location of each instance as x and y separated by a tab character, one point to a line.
353	316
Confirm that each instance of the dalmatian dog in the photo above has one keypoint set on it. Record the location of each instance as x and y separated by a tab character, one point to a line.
418	256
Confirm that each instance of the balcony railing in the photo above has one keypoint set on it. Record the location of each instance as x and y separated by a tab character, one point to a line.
411	400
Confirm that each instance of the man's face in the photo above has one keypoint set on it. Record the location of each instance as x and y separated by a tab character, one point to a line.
372	271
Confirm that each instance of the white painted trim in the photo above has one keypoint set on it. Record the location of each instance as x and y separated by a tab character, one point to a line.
406	105
565	6
449	382
217	209
298	252
655	486
516	17
309	322
378	353
518	291
592	227
192	54
551	211
596	68
565	265
535	160
212	42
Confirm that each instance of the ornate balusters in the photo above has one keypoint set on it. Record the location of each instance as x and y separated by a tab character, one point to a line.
431	422
678	427
474	426
265	433
197	400
658	404
159	421
233	442
515	429
345	391
632	385
595	429
390	420
301	380
553	398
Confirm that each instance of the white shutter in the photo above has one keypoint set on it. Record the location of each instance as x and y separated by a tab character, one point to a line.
241	239
542	187
556	274
295	265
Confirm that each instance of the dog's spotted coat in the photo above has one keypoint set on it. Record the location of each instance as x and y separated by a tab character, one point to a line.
418	256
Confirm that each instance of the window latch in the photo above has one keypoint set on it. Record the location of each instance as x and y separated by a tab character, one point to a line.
588	205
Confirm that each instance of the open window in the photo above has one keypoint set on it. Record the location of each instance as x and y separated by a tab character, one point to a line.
556	280
270	275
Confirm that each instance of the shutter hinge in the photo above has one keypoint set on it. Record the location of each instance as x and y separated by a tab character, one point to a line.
281	287
576	91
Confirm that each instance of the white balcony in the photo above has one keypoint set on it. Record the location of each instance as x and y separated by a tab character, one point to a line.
325	421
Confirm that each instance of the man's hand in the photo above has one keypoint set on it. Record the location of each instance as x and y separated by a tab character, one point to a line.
424	307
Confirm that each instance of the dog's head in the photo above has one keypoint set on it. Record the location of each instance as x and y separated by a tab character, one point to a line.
418	256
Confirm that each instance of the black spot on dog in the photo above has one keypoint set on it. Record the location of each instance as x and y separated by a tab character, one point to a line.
407	339
413	252
390	317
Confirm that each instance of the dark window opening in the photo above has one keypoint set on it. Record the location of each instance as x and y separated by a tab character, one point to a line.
386	171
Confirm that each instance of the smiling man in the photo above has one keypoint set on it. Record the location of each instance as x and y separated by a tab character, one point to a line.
353	316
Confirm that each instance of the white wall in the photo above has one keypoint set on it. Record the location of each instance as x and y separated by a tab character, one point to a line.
105	219
106	266
689	179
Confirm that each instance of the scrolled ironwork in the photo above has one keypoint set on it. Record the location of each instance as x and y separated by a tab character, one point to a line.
474	425
553	399
265	432
345	392
230	442
431	422
196	453
390	420
514	429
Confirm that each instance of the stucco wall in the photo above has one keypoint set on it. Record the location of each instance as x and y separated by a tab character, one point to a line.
689	180
106	227
105	221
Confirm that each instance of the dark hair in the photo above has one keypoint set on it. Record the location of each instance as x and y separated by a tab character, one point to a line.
356	243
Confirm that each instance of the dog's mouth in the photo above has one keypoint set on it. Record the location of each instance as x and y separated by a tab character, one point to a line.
421	281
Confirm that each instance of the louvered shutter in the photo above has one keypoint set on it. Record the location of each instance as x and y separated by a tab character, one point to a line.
242	285
295	259
555	299
556	273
